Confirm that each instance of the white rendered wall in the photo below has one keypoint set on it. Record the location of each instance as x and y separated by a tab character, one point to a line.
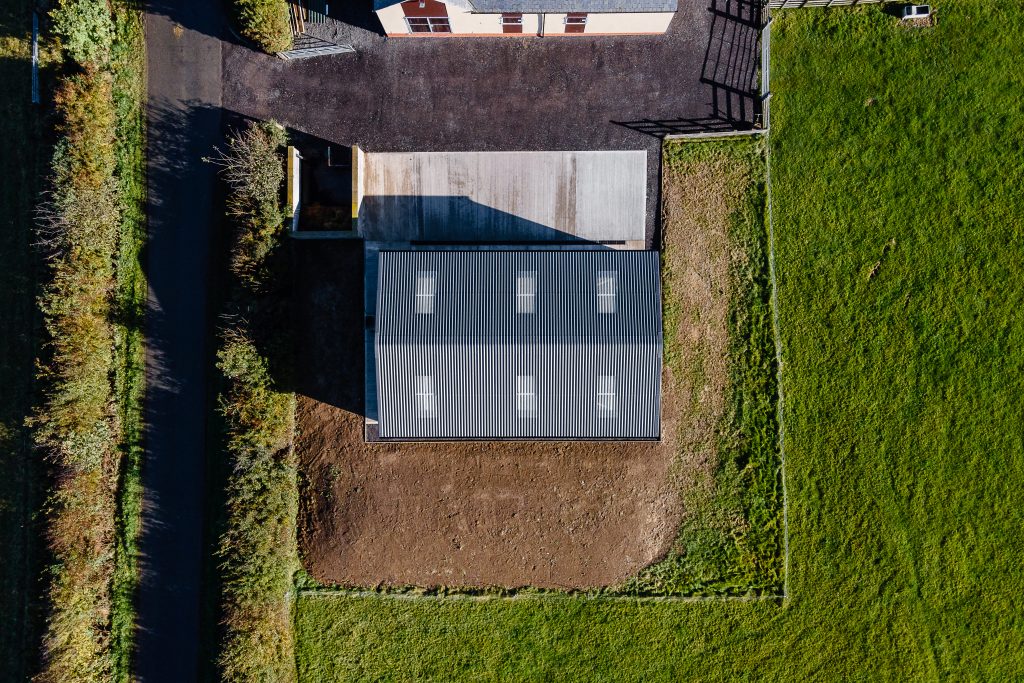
464	22
612	23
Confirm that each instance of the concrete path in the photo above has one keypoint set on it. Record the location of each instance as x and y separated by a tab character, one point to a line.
184	53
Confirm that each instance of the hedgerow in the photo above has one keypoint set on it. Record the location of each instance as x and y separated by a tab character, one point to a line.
265	22
77	425
257	545
257	549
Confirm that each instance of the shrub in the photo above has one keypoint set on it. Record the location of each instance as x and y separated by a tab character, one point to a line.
85	28
265	22
253	167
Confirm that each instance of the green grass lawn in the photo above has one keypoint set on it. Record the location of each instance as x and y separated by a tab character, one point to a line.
129	67
20	157
898	171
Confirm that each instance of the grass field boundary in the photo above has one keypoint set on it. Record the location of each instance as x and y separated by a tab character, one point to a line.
417	593
777	334
540	596
720	134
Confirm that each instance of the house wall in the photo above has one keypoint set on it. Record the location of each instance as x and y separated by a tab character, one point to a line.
464	22
614	23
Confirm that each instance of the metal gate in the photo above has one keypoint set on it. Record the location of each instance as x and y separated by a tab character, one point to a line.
308	46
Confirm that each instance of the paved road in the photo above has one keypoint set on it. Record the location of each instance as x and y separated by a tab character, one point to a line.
184	116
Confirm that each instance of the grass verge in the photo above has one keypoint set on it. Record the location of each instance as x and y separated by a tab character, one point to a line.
897	166
128	64
720	353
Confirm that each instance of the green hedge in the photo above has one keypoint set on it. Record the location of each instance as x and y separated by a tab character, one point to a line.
265	22
89	388
76	426
257	546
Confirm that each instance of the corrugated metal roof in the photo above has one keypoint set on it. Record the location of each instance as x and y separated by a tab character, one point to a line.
493	369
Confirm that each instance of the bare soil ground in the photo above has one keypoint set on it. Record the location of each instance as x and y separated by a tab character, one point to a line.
471	514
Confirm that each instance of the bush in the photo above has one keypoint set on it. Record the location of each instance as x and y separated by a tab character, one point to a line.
85	28
253	167
265	22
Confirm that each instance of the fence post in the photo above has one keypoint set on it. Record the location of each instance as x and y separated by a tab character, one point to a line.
35	58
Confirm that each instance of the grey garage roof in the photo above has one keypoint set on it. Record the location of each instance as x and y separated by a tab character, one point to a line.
556	5
518	345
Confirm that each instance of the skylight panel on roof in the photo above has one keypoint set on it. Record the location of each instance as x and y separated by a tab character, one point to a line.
606	395
426	288
425	403
526	397
607	290
526	291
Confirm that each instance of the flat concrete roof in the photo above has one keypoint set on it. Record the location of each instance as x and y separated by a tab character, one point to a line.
598	196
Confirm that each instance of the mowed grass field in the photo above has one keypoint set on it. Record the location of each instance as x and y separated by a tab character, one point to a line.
897	159
22	160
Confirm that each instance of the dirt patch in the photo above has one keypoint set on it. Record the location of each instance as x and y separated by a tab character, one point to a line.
468	514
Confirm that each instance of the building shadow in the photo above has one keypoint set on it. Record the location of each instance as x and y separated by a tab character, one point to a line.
460	219
209	17
348	22
728	75
183	208
356	13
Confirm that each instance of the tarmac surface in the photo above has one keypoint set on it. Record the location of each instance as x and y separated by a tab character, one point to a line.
184	61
